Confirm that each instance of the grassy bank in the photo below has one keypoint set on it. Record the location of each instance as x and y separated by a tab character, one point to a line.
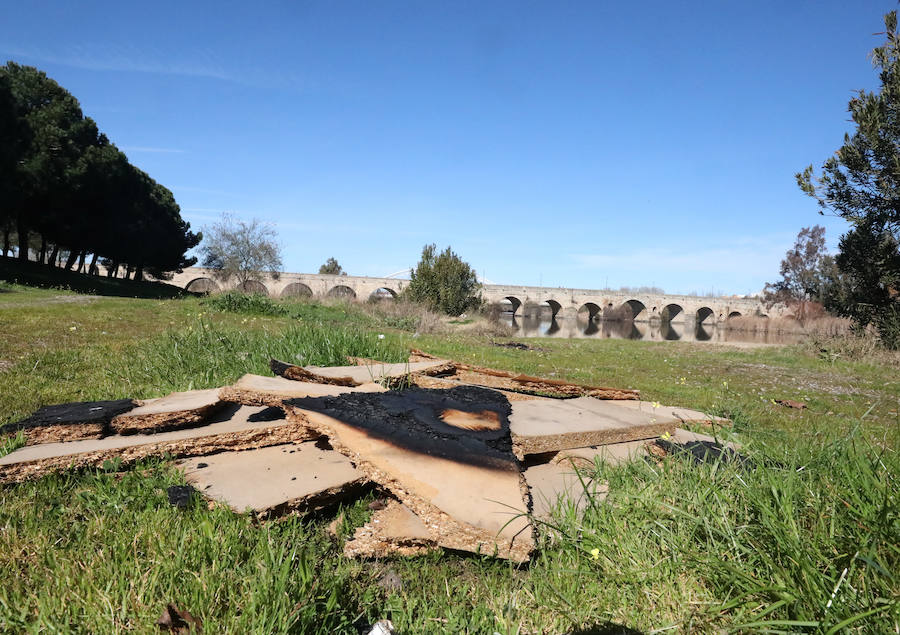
41	276
805	540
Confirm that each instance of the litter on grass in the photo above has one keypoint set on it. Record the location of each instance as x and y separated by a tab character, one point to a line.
466	457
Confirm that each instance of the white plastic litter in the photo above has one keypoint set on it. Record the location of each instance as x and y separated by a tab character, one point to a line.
382	627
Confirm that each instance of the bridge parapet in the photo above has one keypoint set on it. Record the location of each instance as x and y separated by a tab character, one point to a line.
562	301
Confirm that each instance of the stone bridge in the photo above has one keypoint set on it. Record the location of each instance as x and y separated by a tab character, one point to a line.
558	302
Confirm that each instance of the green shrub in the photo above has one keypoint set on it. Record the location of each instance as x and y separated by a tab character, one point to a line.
249	303
444	283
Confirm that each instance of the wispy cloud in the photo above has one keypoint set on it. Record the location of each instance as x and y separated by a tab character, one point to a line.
152	149
129	58
121	58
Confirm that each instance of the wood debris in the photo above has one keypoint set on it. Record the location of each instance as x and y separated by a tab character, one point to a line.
238	429
392	531
546	426
256	390
69	421
493	378
790	403
468	490
272	480
176	410
469	455
361	372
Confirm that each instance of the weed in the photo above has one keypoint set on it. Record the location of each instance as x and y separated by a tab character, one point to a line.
248	303
205	355
13	443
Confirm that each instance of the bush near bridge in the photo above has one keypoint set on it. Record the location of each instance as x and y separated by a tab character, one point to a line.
443	282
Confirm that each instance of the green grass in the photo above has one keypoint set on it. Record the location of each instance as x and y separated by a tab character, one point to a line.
762	548
12	443
806	541
116	348
107	547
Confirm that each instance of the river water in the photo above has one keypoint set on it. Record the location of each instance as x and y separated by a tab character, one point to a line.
544	326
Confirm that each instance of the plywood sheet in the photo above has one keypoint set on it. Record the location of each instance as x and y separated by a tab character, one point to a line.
463	482
271	480
175	410
69	421
256	390
237	427
547	426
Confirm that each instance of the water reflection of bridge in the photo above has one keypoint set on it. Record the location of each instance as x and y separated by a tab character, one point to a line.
544	326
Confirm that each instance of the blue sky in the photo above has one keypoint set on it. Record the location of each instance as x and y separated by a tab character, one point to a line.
574	144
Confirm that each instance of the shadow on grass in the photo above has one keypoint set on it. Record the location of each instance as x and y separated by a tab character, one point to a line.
32	274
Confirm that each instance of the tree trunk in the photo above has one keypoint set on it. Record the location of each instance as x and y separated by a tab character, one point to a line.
81	257
113	270
128	270
73	256
139	273
5	242
43	249
93	268
22	229
53	256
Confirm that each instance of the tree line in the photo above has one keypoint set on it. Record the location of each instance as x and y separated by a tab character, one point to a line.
67	192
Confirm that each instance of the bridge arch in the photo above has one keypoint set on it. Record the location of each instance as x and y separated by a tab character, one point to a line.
703	314
296	290
515	302
670	311
254	286
382	293
635	308
700	333
202	285
553	328
592	309
734	314
341	291
554	307
668	332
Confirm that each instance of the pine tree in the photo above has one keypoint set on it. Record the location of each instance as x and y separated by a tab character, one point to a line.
861	183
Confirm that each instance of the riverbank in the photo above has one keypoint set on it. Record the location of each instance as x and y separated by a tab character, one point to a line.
806	539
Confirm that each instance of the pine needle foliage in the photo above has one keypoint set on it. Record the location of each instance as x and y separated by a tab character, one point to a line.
861	184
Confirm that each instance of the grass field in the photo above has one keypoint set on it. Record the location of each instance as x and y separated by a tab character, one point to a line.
807	539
